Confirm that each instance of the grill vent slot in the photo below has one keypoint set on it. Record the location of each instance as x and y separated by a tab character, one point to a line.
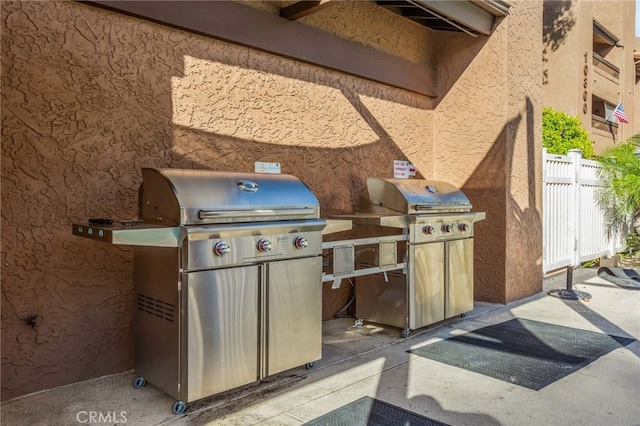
156	307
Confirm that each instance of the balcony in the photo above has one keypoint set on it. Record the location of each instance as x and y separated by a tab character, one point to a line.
605	66
603	125
606	79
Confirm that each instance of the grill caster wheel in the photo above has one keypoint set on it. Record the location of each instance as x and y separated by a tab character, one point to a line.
462	315
309	365
406	332
178	407
359	323
139	382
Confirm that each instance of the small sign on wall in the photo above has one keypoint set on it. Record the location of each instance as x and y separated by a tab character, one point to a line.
403	169
264	167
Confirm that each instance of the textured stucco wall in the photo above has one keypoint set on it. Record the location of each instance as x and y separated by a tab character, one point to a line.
487	140
523	155
469	143
89	97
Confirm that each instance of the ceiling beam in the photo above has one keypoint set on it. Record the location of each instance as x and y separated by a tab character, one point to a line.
303	8
245	25
465	13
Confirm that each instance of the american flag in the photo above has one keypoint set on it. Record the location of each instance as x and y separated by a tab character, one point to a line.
619	114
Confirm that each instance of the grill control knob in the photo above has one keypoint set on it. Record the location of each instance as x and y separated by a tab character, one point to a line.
300	242
264	245
428	230
447	229
221	248
464	227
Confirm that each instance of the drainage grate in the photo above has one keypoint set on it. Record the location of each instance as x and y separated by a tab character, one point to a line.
368	411
527	353
156	307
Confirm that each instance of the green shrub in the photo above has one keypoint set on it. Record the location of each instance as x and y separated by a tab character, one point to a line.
633	243
619	195
561	132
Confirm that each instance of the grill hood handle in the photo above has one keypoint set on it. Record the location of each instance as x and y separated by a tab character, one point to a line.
216	214
422	207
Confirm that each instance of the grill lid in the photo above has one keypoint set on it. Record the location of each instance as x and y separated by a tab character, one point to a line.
412	196
174	197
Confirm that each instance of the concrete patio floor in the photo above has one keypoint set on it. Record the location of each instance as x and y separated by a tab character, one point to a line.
373	361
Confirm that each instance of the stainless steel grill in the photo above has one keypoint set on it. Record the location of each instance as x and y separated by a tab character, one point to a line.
228	273
437	281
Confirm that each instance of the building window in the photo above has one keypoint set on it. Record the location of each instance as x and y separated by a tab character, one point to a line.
601	113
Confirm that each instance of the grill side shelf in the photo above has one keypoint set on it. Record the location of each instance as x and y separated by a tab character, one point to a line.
138	235
400	221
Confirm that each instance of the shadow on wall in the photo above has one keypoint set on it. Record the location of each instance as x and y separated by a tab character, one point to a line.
557	20
453	52
489	186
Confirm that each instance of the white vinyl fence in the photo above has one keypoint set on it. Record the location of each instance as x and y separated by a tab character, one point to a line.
573	225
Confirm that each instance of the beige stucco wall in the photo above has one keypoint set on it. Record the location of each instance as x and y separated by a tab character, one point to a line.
90	97
487	140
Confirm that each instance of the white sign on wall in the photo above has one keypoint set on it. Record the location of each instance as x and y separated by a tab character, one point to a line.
403	169
264	167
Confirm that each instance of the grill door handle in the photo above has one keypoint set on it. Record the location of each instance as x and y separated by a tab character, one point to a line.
216	214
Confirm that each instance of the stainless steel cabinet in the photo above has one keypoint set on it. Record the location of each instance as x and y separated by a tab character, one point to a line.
204	332
221	342
426	283
440	286
443	281
294	314
459	291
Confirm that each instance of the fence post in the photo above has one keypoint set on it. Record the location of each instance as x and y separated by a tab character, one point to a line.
576	156
545	212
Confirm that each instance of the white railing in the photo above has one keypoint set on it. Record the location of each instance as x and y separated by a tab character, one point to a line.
573	224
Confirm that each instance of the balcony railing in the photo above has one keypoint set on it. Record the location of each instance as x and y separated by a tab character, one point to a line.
606	66
600	123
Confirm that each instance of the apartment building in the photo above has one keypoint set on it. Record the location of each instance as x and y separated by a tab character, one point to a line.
589	66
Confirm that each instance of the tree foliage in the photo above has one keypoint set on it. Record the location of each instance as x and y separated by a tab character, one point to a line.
562	132
619	198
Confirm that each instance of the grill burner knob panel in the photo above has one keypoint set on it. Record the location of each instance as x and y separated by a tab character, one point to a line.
447	228
464	227
221	248
428	230
301	242
264	245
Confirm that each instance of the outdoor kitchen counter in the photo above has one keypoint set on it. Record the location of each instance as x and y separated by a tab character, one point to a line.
377	219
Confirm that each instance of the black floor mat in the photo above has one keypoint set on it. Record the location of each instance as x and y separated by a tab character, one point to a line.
368	411
527	353
626	278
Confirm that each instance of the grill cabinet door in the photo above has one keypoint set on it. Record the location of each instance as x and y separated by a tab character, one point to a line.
460	274
221	313
426	283
294	313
